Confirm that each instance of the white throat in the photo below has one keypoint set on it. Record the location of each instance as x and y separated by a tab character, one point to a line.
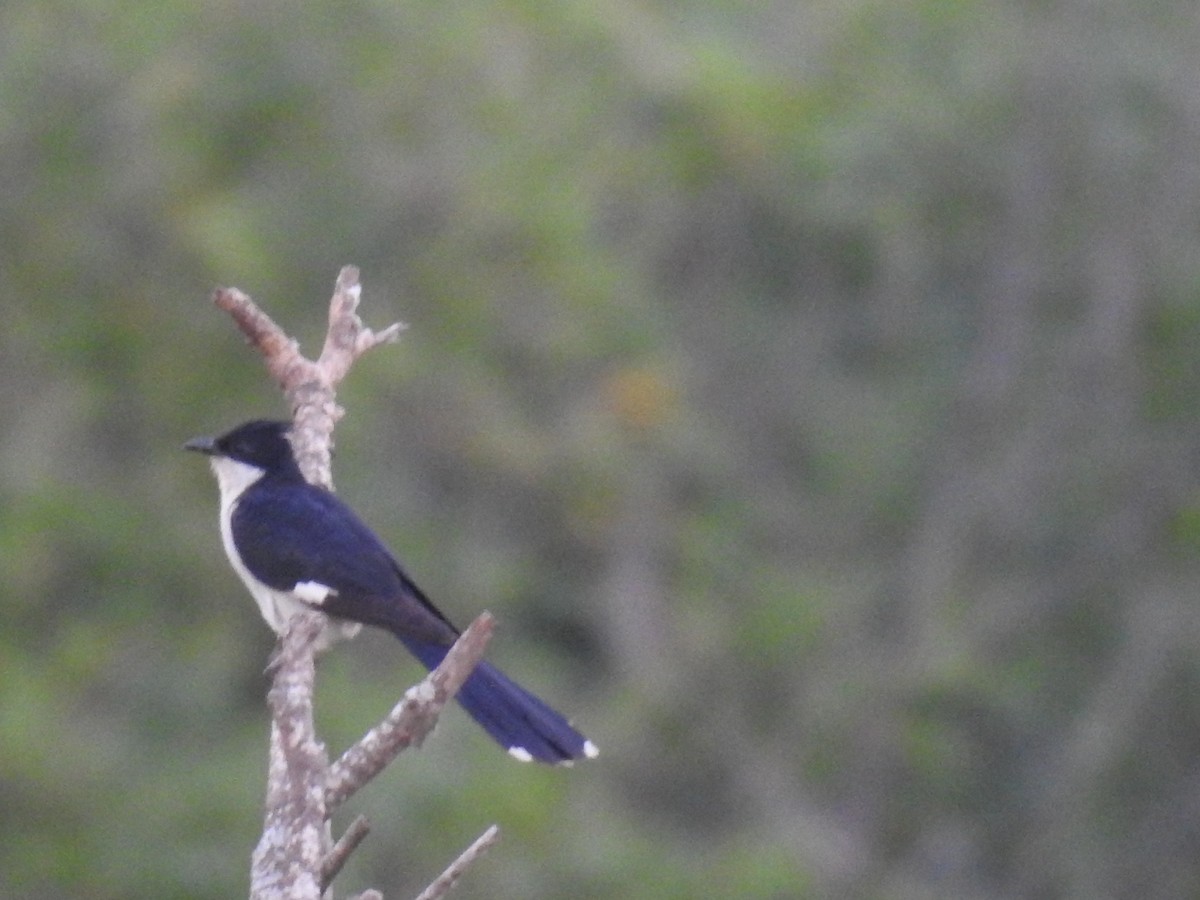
233	478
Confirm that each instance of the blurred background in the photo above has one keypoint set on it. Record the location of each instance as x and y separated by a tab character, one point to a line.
809	388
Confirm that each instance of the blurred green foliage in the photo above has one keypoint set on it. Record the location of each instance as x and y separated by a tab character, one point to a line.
809	388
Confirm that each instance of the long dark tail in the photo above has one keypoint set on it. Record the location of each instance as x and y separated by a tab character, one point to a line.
518	721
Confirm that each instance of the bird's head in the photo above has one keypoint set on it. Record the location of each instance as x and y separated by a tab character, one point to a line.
261	445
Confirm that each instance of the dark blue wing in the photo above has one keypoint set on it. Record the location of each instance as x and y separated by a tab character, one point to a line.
288	533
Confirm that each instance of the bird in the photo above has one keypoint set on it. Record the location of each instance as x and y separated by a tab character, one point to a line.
298	546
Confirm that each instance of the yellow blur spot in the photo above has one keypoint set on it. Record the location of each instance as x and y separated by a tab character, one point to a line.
640	397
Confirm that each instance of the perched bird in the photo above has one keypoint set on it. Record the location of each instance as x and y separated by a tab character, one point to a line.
297	546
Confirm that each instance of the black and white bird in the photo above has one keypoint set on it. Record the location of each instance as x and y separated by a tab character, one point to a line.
297	546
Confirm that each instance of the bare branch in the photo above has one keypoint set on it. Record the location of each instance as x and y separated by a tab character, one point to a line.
295	839
310	387
336	858
280	352
411	719
295	858
442	884
287	860
347	338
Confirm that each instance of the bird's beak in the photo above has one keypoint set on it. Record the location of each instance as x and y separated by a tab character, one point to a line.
205	445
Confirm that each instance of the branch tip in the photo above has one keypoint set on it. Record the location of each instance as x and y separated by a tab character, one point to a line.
336	858
442	884
411	719
347	277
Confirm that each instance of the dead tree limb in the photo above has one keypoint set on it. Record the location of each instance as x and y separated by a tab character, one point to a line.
442	884
355	833
411	719
287	861
311	386
296	856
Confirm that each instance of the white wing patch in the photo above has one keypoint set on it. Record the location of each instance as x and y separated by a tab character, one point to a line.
312	592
